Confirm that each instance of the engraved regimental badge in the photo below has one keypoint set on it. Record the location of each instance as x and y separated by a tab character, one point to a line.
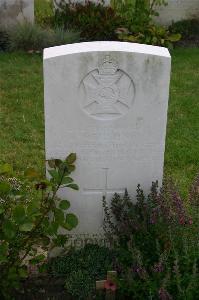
108	92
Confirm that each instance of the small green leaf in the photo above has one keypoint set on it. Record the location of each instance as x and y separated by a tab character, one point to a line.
54	227
174	37
73	186
64	204
33	209
51	163
26	227
51	228
71	168
71	158
67	180
58	162
59	216
71	221
60	240
54	174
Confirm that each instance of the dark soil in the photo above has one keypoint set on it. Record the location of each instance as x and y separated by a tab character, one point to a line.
43	288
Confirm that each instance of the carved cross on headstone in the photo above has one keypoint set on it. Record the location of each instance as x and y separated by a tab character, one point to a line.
106	190
103	191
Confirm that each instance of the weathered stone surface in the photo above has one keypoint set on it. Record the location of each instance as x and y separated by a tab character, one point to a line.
14	11
106	101
177	10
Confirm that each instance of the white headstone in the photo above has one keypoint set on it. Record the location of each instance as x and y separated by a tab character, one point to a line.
107	102
16	11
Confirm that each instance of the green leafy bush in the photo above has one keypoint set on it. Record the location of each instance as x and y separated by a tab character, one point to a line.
152	35
187	28
32	37
158	251
25	225
81	268
137	13
95	21
139	26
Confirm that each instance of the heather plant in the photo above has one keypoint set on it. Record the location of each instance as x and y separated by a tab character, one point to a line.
31	215
157	242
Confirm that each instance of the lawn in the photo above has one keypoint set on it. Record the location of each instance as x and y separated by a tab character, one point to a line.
22	117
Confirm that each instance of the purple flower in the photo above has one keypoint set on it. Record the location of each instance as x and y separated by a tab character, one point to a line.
140	271
158	267
163	294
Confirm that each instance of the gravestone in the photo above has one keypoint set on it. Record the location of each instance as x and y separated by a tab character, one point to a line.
16	11
177	10
107	102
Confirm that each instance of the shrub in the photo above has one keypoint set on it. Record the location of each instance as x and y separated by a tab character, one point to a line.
81	268
4	40
95	21
187	28
25	225
158	248
29	37
139	26
32	37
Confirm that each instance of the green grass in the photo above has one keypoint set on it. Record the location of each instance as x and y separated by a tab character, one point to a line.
182	143
22	119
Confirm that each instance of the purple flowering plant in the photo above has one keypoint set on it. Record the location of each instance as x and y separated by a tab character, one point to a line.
157	242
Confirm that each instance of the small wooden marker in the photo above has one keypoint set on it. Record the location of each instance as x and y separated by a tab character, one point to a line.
100	285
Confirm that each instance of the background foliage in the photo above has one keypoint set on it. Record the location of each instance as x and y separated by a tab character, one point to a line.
81	268
31	215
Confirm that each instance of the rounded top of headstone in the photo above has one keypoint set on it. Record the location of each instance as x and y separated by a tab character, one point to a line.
105	46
